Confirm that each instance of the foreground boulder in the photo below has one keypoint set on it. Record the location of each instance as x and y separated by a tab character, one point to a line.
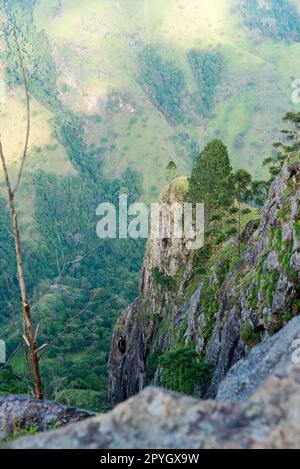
160	419
19	413
270	418
155	418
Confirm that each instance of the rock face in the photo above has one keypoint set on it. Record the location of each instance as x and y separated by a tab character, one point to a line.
21	413
135	330
263	291
222	314
273	356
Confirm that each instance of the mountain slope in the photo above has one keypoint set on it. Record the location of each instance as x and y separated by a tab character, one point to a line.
97	51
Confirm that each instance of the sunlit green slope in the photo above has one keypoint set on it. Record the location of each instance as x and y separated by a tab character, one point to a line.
97	50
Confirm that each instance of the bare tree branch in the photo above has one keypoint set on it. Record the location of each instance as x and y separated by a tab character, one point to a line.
27	114
5	170
28	334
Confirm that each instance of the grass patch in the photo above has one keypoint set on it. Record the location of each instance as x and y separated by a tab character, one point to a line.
249	337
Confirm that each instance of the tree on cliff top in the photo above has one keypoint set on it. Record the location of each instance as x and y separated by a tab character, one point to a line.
210	179
285	149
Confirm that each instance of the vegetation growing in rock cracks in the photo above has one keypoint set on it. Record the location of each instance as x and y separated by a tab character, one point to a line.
182	369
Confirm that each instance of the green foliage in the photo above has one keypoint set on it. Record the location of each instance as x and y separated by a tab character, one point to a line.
268	283
10	383
87	399
259	192
248	336
171	171
289	316
213	183
166	282
210	178
79	283
285	256
285	150
241	183
8	280
18	431
252	294
78	311
210	305
154	317
297	230
278	239
182	370
283	213
36	53
277	19
152	363
207	68
163	82
210	296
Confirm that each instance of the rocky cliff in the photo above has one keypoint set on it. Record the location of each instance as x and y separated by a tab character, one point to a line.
266	414
219	312
166	270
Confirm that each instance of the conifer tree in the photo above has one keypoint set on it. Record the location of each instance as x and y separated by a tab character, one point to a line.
210	179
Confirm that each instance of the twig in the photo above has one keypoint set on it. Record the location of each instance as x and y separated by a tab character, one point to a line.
12	356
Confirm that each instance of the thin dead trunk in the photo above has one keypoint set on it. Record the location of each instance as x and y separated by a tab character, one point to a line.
27	319
29	335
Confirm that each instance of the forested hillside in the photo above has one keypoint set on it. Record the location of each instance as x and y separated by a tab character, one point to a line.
118	89
78	284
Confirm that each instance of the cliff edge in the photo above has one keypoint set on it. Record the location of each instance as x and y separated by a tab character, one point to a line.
214	316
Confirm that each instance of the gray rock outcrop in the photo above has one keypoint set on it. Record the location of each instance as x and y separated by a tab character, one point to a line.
270	357
264	288
19	413
135	330
158	419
